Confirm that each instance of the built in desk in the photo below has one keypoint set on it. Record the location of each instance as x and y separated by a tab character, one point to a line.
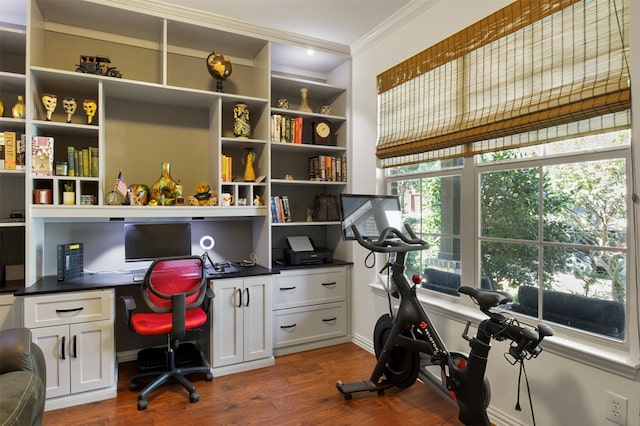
79	324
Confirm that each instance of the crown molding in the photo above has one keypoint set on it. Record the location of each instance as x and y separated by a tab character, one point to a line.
224	23
398	19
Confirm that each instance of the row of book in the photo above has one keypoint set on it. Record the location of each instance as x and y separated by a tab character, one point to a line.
286	129
83	162
328	168
12	151
280	209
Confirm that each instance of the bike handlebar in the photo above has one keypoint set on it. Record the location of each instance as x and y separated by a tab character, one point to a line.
384	243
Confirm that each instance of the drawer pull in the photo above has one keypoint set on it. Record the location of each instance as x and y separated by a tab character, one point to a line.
287	288
63	311
284	327
62	347
74	347
329	284
247	297
329	319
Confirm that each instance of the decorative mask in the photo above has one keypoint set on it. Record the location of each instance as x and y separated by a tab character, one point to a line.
69	105
90	106
50	102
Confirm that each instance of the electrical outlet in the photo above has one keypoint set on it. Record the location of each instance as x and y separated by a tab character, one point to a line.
616	408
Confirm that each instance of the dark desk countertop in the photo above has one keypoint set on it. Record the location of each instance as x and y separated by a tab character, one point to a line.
50	283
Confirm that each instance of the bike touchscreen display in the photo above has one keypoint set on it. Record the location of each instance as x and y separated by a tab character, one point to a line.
370	214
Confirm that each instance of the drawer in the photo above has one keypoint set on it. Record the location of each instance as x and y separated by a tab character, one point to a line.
304	325
309	288
68	308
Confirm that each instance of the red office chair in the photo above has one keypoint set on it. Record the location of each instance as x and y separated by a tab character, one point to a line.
175	289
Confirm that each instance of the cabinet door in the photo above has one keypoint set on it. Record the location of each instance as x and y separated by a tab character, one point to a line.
257	318
226	339
53	342
91	353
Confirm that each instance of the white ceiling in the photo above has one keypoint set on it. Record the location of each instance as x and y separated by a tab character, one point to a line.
338	21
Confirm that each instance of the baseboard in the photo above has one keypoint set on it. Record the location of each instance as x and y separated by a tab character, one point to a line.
243	366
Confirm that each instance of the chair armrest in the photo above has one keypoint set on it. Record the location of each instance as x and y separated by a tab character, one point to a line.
129	305
208	297
15	350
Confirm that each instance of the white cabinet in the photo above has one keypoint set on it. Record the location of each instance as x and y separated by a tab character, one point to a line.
75	332
241	327
310	308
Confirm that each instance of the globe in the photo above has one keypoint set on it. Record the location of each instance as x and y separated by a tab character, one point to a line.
219	66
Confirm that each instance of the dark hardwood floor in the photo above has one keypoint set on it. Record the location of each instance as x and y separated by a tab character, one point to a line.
300	389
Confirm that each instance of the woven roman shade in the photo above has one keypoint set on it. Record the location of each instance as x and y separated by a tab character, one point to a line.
531	72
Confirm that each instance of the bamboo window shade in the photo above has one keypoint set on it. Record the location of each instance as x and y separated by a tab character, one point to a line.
534	71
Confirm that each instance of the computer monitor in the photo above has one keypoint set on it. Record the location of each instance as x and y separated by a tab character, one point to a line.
371	214
149	241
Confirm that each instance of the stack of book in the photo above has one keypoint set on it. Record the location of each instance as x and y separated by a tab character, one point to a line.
328	168
83	162
12	151
286	129
280	209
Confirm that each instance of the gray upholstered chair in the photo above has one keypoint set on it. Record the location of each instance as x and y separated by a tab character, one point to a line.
22	378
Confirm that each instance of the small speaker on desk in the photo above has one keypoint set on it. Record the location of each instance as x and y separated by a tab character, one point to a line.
70	261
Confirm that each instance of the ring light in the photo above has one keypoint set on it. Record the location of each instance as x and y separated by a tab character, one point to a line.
207	242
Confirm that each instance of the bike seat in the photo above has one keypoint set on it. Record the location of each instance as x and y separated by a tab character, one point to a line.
485	298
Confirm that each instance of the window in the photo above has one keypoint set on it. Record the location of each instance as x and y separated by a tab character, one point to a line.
552	228
561	251
431	206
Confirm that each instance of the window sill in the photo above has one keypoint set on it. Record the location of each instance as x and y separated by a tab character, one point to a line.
615	361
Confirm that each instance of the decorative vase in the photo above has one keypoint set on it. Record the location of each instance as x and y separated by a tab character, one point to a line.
248	160
163	191
70	105
241	127
50	103
90	106
304	106
17	111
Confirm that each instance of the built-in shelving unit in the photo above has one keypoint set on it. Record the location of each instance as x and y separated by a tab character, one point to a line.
165	108
12	182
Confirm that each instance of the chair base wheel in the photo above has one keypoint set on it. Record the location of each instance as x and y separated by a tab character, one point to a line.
208	377
142	404
133	386
194	397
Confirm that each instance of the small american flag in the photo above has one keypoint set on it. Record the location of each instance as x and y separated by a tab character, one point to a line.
121	187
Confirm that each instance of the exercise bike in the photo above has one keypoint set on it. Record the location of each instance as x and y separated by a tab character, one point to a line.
407	343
